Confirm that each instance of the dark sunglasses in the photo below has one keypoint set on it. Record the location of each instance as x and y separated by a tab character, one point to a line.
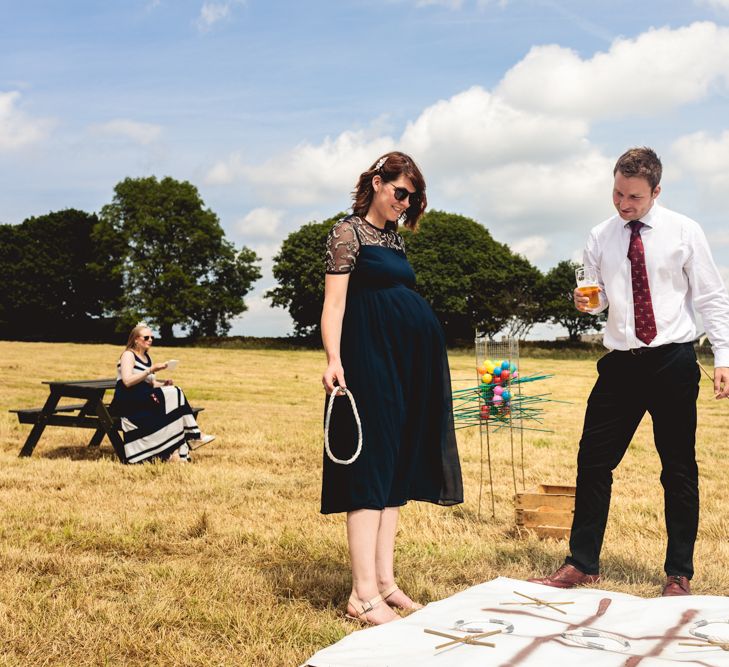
148	337
401	193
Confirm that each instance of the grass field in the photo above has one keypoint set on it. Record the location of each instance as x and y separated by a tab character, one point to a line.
228	561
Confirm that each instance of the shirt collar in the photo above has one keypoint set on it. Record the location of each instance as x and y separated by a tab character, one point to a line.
648	220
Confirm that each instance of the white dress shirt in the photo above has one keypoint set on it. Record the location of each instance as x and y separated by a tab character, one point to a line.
681	274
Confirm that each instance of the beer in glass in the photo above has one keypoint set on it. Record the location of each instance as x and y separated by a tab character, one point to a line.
587	285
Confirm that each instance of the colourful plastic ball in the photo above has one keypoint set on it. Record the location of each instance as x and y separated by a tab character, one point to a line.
504	364
486	378
505	374
496	380
513	368
515	375
505	394
497	398
498	390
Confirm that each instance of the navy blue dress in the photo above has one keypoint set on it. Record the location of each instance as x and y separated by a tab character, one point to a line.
395	364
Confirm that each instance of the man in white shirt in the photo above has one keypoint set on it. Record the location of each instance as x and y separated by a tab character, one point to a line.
654	267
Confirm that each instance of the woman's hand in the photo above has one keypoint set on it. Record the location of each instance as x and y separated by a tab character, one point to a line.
333	373
156	368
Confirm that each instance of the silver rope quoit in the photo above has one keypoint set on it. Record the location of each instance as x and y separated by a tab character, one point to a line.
714	639
478	625
328	417
607	640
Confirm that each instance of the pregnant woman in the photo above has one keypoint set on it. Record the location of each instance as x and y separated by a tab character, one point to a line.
379	331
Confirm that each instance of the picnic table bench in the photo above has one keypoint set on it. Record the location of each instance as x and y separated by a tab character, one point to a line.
93	413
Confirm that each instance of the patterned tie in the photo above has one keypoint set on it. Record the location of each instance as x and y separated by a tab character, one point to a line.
645	321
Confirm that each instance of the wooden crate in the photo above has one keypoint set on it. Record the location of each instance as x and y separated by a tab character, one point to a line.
547	511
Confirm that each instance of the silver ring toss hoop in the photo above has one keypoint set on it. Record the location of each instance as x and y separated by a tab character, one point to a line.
586	636
694	630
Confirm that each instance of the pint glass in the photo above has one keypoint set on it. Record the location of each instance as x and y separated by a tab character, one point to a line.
587	285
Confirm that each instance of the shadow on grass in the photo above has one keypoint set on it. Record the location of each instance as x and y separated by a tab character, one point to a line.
78	453
323	583
627	570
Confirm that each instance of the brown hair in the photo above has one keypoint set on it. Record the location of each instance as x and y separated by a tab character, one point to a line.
640	163
133	334
390	167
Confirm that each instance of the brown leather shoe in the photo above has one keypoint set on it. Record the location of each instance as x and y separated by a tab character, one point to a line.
567	576
676	585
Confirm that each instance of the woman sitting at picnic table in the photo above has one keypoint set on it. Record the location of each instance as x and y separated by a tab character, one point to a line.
156	418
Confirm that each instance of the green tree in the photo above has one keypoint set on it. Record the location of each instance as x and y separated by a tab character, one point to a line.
56	284
470	280
558	288
176	266
299	269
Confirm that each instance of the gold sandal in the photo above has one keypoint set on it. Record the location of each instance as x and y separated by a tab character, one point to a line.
361	609
409	609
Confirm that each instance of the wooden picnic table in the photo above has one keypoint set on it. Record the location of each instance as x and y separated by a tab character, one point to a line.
93	413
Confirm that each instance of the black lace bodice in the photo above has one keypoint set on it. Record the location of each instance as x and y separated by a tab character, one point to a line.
349	234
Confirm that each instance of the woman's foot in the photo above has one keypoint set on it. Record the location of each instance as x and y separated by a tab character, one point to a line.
204	439
396	599
370	612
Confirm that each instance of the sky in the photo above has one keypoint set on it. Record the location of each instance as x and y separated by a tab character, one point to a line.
515	110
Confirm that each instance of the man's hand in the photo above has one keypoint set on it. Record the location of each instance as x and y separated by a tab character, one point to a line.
582	301
721	382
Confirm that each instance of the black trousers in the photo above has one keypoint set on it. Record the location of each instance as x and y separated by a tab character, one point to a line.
664	382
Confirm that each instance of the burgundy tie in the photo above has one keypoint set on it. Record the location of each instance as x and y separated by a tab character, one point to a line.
645	321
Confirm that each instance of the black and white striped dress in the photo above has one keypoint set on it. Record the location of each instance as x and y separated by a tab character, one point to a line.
156	422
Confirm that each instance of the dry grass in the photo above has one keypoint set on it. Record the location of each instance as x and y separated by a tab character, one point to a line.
228	562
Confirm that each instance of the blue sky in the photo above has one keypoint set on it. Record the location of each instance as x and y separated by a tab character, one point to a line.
515	109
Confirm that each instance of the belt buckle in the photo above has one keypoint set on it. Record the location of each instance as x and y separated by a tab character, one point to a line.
637	351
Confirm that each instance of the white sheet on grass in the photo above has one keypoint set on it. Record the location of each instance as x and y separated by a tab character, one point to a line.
653	627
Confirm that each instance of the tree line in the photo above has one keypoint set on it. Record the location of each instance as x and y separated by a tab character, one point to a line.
157	253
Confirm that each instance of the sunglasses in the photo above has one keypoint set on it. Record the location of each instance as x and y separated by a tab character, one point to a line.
148	337
401	193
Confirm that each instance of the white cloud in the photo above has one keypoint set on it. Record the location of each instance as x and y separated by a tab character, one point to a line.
261	223
458	4
474	129
518	198
214	12
532	247
719	238
261	319
227	171
140	133
714	4
308	173
652	73
450	4
16	128
706	159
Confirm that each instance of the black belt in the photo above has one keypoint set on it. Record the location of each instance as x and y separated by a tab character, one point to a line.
652	350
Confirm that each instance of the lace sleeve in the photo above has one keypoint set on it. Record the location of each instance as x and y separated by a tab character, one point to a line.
342	248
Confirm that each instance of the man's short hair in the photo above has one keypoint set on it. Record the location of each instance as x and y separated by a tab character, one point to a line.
642	163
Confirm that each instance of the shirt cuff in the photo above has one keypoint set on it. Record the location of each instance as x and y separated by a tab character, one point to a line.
721	357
